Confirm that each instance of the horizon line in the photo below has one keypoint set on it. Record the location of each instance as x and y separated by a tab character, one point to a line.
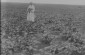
44	3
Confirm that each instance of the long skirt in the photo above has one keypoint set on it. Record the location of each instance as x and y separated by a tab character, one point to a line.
30	17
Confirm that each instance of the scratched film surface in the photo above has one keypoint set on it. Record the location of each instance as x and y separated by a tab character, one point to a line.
42	29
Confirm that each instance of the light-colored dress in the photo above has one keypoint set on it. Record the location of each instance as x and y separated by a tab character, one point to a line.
30	13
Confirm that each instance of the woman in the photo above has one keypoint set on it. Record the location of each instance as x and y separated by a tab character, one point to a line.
30	12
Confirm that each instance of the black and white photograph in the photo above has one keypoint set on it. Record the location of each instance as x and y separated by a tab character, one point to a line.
42	27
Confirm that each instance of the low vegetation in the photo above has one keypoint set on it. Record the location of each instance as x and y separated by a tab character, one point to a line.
54	32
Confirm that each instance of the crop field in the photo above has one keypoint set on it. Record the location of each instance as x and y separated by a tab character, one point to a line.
58	29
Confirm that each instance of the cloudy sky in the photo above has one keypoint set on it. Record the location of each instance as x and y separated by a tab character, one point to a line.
73	2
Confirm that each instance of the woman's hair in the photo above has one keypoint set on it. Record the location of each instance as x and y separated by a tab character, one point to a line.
30	3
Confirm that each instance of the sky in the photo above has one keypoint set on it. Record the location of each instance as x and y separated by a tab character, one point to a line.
72	2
